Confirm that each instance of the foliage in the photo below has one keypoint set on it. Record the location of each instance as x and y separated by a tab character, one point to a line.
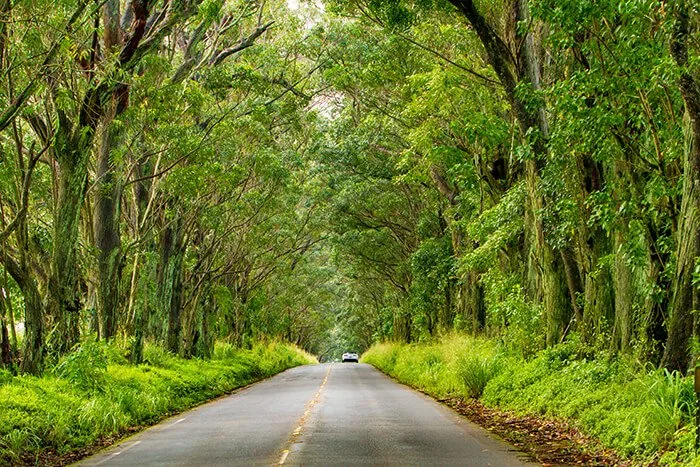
453	365
475	372
85	367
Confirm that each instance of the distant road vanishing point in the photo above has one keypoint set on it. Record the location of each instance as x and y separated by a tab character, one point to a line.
316	415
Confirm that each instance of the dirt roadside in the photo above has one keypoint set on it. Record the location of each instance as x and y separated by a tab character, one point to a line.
553	443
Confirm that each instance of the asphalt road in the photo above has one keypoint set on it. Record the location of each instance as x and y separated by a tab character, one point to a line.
319	415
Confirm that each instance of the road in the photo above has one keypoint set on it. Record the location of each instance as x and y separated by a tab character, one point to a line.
317	415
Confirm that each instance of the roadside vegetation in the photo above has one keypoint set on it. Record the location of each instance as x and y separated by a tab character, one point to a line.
644	414
93	395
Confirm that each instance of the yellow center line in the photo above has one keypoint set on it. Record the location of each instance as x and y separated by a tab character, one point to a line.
302	421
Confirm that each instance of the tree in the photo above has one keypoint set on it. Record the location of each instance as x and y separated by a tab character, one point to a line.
686	297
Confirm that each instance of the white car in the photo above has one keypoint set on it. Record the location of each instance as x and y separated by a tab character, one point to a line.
350	357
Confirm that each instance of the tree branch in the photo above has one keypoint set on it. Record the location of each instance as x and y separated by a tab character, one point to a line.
9	114
244	43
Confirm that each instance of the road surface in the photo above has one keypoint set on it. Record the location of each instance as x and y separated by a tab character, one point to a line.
317	415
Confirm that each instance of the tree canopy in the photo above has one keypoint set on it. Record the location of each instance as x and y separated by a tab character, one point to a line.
344	172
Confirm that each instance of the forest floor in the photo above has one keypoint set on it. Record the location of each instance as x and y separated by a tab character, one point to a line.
549	442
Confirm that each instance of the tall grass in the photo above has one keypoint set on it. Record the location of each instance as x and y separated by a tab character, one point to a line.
93	393
475	372
644	414
440	368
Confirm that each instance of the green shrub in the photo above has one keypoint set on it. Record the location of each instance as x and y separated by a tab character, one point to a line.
475	372
157	356
225	351
15	442
5	376
85	366
671	406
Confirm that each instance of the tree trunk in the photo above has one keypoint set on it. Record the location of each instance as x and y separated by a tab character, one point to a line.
558	298
108	193
11	323
240	325
107	235
33	353
573	283
63	303
140	318
464	298
206	336
655	330
175	305
598	293
686	296
139	327
141	312
470	299
170	286
447	315
5	348
624	293
73	145
191	325
402	325
557	303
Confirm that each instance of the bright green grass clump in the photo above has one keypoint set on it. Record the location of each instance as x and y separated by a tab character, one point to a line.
439	368
93	392
643	414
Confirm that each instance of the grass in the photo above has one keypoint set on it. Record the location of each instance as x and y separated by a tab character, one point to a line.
93	393
643	414
455	365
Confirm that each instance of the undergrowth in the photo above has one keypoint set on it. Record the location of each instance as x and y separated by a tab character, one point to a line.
93	393
644	414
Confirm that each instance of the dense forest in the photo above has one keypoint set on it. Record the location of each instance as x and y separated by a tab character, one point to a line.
339	173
